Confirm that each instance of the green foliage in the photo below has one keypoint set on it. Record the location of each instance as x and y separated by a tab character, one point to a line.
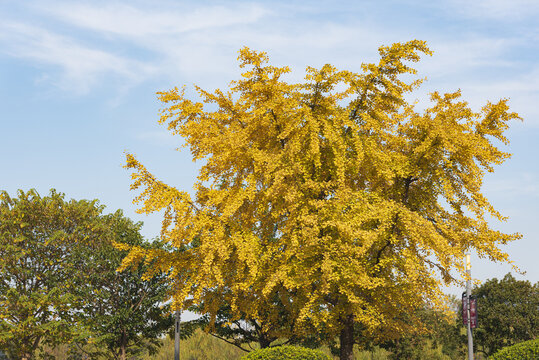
286	352
527	350
41	266
199	346
125	313
202	346
439	338
508	312
59	285
419	348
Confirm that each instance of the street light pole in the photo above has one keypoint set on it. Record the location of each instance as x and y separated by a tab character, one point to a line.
177	335
468	294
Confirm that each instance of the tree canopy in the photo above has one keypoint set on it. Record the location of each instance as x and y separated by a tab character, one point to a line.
441	338
39	268
124	312
59	285
334	195
508	311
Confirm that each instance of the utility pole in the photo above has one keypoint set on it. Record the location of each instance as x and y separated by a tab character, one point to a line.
177	335
468	295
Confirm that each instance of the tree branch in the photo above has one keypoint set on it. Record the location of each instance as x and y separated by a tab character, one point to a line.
228	341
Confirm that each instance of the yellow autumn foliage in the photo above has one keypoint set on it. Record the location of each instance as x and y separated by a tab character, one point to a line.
333	195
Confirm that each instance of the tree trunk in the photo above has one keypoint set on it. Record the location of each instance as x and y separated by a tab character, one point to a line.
347	339
123	346
30	352
264	341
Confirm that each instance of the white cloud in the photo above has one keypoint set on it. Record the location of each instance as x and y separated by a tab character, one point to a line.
502	10
81	66
125	20
522	91
485	69
198	43
469	56
209	53
168	39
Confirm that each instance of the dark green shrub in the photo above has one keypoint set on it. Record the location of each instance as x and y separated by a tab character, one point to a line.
527	350
286	353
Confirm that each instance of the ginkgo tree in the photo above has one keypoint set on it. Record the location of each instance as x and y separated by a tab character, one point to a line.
334	195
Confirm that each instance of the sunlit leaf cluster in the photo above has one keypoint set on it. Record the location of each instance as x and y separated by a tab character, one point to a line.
334	195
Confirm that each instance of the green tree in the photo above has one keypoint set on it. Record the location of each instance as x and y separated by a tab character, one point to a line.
508	313
335	189
59	284
125	314
286	352
439	337
526	350
40	268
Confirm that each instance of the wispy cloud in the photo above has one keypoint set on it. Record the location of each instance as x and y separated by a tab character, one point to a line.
522	90
80	66
501	10
198	43
456	55
167	40
139	23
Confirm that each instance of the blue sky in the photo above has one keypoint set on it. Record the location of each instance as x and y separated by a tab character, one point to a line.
78	82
